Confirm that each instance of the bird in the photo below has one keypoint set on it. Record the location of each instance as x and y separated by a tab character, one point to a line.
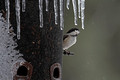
69	39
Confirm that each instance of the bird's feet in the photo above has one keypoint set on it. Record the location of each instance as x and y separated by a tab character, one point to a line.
67	53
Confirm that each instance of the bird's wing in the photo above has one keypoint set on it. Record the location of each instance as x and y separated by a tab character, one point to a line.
65	36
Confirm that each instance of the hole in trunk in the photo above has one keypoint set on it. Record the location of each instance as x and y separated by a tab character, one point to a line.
56	73
22	71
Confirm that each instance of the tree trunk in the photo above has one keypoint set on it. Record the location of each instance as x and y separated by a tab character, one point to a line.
41	47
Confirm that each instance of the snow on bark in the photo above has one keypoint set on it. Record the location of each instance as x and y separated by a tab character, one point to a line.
8	54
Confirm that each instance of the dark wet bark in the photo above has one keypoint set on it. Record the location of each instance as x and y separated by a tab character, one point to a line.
41	47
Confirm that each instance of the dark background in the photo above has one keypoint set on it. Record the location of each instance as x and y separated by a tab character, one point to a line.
97	52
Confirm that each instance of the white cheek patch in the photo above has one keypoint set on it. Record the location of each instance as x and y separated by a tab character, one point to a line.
77	32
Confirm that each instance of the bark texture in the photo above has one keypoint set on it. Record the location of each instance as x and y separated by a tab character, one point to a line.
41	47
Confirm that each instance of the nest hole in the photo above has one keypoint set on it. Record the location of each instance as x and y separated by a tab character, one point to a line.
22	71
56	73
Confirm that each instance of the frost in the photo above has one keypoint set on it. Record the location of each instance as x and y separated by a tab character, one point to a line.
8	54
56	11
61	15
7	7
47	2
23	5
75	11
41	12
17	8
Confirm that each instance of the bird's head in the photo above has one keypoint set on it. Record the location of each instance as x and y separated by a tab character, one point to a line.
73	32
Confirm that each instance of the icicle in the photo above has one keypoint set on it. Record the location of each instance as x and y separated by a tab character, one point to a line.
79	6
82	12
61	15
47	2
7	7
75	11
68	3
56	11
17	7
23	5
41	12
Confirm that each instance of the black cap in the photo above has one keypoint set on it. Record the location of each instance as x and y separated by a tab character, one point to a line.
73	29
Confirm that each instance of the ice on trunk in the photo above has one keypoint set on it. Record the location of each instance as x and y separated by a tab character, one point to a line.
61	15
17	7
47	2
75	11
56	11
41	13
23	5
7	7
82	12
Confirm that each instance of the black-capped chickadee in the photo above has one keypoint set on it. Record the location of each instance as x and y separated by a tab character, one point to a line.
70	39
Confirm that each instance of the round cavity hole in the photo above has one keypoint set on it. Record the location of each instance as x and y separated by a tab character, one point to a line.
56	73
22	71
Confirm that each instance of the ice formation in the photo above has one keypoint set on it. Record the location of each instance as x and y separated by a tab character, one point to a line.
23	5
17	8
41	12
56	11
75	11
8	55
82	12
61	15
47	2
7	7
81	7
67	5
78	9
